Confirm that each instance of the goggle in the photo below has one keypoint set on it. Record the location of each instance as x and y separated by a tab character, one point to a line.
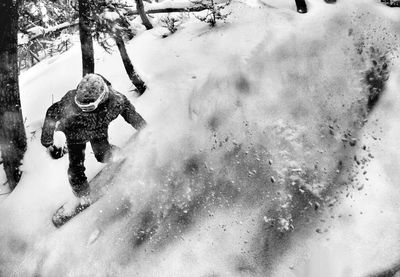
92	106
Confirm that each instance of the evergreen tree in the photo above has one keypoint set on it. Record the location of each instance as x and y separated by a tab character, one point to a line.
109	21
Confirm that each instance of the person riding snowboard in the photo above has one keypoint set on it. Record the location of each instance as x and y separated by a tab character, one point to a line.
83	115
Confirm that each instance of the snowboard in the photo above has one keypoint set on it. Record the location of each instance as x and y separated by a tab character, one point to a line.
99	185
330	1
301	6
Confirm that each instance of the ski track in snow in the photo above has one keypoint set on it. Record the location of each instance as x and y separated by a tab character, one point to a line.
235	173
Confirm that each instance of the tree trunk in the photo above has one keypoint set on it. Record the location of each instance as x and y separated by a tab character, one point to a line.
85	36
301	6
143	16
137	82
12	131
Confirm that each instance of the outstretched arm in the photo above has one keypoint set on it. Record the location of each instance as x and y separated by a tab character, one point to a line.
131	116
52	116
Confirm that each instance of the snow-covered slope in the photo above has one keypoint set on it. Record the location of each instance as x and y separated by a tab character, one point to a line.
240	172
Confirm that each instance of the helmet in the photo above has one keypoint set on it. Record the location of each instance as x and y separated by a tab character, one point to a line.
91	91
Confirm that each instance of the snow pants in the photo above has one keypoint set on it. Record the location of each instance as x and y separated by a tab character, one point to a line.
76	171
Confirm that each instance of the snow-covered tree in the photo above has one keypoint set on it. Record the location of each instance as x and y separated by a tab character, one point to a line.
44	13
43	29
214	11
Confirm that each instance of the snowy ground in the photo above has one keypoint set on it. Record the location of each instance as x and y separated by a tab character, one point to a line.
234	113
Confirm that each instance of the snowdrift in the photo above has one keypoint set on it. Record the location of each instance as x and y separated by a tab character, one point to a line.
260	130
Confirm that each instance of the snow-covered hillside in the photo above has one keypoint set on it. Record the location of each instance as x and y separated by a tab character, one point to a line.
259	158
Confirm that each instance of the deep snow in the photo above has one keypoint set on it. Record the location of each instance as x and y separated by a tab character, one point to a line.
228	178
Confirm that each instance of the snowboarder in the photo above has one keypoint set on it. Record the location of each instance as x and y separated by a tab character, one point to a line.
83	115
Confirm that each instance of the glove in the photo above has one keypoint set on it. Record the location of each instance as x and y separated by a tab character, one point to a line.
56	152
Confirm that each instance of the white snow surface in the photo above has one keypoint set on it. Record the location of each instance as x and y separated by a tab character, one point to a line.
232	111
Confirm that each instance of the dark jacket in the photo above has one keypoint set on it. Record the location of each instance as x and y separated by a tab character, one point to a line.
81	127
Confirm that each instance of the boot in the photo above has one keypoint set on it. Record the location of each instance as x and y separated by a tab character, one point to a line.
71	208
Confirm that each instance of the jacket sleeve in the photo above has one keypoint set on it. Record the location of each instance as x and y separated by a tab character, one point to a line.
131	116
52	116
